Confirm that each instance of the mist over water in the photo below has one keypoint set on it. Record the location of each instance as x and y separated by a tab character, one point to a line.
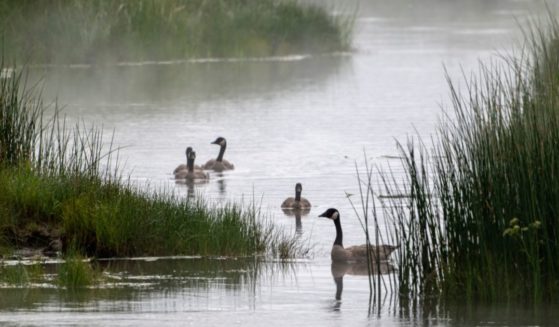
287	119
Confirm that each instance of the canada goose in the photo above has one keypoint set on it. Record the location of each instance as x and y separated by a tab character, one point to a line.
297	202
354	253
219	164
185	166
191	174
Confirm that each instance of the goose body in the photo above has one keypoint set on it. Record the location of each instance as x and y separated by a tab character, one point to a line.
190	174
219	164
356	253
297	202
185	166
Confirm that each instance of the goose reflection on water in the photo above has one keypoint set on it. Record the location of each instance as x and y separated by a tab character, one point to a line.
221	184
190	186
297	213
340	269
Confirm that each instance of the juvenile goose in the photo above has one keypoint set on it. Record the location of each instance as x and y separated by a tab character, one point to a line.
354	253
185	166
219	164
297	202
191	174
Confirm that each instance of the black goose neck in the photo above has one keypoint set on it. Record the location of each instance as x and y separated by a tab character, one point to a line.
339	233
221	152
190	165
297	195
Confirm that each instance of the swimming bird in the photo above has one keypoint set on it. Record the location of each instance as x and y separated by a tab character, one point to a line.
297	202
191	174
358	252
219	164
185	166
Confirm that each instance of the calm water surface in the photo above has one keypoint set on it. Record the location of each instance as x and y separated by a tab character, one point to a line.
291	119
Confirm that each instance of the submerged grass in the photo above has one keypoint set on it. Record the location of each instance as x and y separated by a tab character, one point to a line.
481	220
85	31
58	183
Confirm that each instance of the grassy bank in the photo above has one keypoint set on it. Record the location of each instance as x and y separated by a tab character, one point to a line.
53	187
110	219
87	31
481	222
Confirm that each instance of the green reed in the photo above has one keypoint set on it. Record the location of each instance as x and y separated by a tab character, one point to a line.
367	213
20	274
76	272
61	179
88	31
481	220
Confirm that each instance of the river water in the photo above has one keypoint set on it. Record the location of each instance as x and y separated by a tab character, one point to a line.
299	118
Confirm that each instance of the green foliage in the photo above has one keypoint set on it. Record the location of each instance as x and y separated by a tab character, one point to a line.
79	31
20	274
482	221
76	272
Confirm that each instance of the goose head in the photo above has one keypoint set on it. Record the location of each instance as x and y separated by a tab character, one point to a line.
220	141
331	214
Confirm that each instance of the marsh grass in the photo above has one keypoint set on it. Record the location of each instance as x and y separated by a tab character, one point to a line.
61	180
88	31
20	274
367	213
481	219
76	272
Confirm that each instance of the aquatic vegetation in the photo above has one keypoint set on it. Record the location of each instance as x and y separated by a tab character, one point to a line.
20	274
61	185
76	272
481	221
89	31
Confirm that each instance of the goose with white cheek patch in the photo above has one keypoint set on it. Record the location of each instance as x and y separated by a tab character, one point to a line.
354	253
219	164
297	202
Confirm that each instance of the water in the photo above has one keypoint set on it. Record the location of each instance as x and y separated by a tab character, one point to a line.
289	119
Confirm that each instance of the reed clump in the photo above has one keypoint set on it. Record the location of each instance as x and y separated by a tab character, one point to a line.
58	185
90	31
481	221
76	273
